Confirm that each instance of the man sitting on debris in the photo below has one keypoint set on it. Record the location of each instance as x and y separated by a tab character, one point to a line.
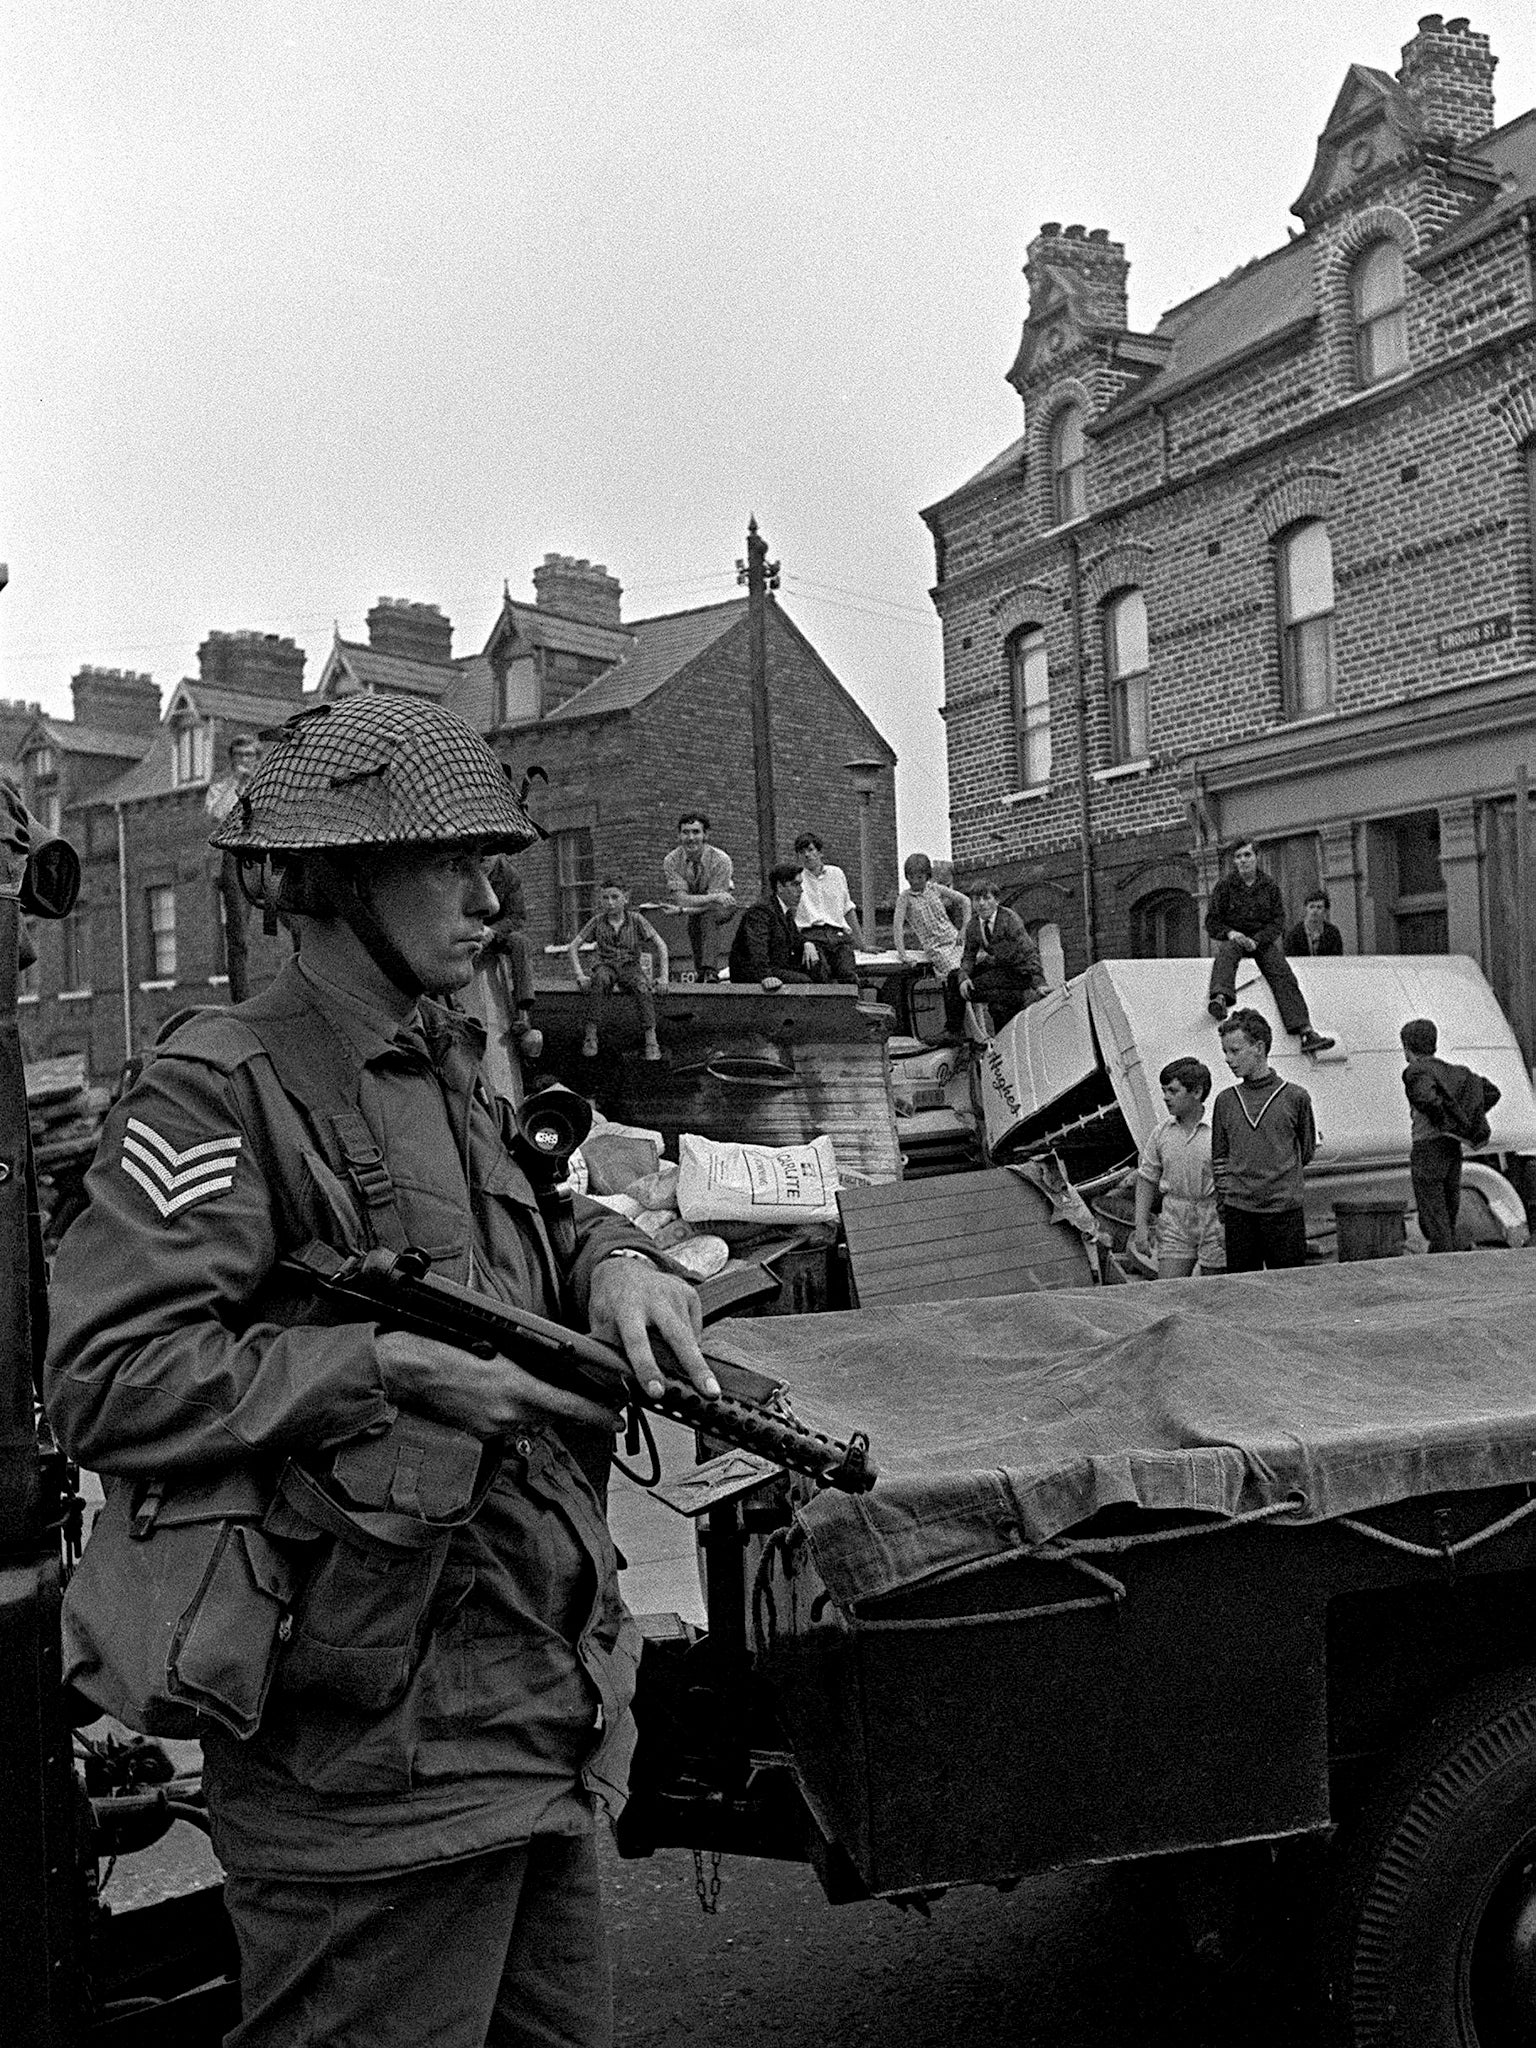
699	882
244	753
931	910
1000	964
1246	919
507	956
828	922
767	947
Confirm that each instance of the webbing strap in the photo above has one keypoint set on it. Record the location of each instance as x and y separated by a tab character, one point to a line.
368	1173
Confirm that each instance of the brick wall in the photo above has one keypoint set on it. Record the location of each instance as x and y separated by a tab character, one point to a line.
166	844
1421	481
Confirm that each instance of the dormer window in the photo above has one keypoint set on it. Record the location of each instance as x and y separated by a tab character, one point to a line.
1379	296
1069	466
192	758
43	763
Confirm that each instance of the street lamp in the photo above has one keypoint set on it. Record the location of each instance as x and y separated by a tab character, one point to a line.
865	776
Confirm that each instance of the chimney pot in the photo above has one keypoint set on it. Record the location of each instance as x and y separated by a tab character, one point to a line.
574	588
1050	229
1075	232
1428	23
413	632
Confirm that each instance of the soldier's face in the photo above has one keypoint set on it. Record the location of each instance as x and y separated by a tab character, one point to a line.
434	907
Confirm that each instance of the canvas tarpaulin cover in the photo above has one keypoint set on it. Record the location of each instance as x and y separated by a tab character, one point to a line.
1000	1423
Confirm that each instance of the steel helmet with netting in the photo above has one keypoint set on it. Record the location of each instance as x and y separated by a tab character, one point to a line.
373	771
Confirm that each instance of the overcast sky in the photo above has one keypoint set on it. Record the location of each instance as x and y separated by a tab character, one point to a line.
307	304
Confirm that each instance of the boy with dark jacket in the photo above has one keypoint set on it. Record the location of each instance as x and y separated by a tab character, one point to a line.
1443	1100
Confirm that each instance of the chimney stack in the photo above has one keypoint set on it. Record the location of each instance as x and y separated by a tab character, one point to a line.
256	664
415	632
573	589
116	700
1093	258
1447	73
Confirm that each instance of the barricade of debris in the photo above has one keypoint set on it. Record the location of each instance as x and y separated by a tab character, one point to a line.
65	1117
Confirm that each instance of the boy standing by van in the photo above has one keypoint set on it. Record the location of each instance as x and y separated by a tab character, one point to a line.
1262	1137
1176	1162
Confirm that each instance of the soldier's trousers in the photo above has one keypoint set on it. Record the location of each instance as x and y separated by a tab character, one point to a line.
505	1950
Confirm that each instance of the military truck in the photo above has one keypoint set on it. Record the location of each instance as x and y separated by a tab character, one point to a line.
1214	1569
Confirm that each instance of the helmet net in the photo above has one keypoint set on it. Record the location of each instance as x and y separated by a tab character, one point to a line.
375	771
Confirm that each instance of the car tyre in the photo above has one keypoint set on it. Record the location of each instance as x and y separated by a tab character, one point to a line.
1432	1926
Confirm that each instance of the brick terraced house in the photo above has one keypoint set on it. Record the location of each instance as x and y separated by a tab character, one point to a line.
1268	570
129	787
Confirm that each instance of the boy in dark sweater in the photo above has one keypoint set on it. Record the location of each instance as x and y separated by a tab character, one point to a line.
1246	918
1262	1136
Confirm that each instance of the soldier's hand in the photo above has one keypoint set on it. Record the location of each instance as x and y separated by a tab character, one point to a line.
488	1397
630	1301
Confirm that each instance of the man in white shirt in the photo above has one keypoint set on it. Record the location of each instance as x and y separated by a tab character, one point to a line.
828	921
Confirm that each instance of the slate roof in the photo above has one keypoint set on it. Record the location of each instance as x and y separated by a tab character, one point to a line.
70	738
151	776
537	627
242	710
396	673
662	647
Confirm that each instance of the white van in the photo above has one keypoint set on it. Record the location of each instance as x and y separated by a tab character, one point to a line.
1076	1073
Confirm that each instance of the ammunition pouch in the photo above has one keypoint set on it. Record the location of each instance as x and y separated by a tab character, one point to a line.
389	1507
193	1600
179	1604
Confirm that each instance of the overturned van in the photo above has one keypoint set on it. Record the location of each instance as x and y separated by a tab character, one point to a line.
1076	1074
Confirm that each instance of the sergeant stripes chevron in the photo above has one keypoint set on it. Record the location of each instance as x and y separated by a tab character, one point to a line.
175	1180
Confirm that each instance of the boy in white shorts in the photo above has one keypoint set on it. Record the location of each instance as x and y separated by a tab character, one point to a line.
1176	1159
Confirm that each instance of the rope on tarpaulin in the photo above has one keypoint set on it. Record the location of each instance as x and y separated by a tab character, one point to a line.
1439	1553
1070	1551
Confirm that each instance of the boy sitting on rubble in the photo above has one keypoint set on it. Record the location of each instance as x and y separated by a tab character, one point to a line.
1176	1161
621	936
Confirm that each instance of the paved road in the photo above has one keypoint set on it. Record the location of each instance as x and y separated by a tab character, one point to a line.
1063	1962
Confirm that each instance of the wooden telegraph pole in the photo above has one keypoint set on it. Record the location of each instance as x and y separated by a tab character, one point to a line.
760	576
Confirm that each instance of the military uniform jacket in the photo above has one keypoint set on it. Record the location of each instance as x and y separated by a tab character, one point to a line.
176	1348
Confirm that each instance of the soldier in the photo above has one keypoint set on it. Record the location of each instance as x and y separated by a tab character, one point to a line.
416	1860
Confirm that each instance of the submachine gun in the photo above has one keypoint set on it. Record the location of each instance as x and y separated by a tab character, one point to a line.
399	1289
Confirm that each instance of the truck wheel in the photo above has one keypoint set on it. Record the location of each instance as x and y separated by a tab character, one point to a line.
1433	1928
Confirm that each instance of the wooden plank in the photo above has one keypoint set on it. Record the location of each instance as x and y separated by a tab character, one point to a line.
966	1235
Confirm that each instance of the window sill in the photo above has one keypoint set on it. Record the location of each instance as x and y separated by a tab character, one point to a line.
25	998
1028	796
218	981
145	987
74	995
1307	718
1123	771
